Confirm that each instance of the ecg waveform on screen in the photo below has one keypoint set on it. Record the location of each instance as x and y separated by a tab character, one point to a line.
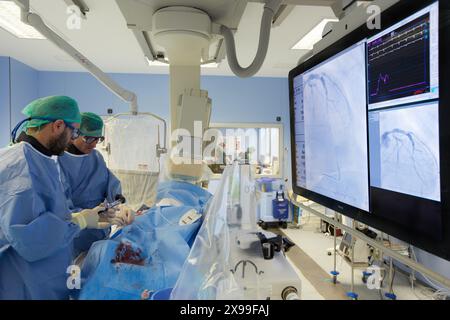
399	62
398	42
382	81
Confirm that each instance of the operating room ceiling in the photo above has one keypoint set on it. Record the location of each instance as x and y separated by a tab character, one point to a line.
105	38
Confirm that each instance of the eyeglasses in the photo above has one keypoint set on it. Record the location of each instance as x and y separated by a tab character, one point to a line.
90	140
75	131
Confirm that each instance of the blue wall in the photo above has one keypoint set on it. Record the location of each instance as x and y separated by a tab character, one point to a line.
247	100
152	91
18	87
4	102
243	100
24	89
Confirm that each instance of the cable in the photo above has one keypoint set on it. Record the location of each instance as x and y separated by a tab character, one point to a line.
270	9
425	291
36	21
440	292
434	285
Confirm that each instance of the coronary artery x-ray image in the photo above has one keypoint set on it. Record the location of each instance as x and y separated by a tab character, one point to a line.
409	151
335	128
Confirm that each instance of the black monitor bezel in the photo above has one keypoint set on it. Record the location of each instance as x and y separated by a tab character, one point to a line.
389	17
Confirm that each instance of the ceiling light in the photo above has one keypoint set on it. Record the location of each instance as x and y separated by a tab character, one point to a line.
313	36
10	21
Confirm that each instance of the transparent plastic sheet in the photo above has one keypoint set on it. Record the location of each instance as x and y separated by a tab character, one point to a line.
131	154
212	271
139	188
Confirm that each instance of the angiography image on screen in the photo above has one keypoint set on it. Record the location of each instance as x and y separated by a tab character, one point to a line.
331	130
404	144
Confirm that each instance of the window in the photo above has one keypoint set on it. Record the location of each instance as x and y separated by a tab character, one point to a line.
259	145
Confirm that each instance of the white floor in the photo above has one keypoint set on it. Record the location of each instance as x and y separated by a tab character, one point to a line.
308	290
314	244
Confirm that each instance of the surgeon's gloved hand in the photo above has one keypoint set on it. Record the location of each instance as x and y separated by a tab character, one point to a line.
89	218
107	214
124	216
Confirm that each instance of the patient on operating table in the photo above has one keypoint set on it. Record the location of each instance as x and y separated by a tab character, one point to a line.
147	255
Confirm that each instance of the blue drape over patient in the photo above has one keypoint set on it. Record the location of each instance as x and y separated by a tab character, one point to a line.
185	193
162	243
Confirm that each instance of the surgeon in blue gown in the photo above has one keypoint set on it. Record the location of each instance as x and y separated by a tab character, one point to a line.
36	226
89	181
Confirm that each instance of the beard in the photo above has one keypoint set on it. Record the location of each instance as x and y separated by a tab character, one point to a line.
58	145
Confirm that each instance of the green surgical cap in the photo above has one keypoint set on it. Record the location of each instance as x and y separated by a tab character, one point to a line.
52	108
91	125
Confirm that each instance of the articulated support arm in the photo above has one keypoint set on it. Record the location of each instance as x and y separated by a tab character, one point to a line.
36	21
270	9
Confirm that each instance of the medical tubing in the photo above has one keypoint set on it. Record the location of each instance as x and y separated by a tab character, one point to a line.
264	36
16	128
435	286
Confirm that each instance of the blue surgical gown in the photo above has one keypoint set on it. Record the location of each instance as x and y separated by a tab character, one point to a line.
36	232
88	183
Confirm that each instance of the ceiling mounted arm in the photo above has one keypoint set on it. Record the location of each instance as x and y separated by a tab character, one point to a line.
84	9
270	8
36	21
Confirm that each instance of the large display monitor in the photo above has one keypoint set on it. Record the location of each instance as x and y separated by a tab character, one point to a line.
330	128
369	125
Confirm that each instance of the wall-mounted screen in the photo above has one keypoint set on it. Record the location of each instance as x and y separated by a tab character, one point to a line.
369	125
